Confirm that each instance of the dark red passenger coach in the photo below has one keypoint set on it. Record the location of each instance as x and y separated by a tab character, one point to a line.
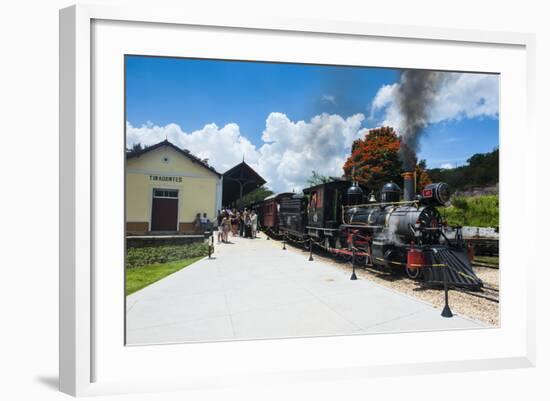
270	210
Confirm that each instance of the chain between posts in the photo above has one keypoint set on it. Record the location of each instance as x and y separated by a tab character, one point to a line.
320	244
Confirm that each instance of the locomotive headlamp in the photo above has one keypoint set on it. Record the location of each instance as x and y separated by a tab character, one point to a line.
436	194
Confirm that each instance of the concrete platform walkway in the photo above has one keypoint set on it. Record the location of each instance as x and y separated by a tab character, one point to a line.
253	289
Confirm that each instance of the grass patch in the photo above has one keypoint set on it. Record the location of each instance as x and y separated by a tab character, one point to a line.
491	260
137	257
140	277
475	211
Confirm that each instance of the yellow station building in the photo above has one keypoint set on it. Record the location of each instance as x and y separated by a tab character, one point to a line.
165	189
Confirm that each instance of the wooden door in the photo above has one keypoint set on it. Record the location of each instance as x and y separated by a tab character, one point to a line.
164	214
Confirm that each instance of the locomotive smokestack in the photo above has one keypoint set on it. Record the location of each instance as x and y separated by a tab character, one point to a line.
409	184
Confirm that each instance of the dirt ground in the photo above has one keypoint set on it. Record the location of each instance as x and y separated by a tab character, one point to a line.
467	304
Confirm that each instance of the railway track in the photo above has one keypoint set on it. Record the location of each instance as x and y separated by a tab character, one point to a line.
481	264
482	294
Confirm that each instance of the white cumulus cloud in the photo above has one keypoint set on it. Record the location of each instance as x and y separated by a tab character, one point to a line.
223	147
293	149
384	96
290	150
461	95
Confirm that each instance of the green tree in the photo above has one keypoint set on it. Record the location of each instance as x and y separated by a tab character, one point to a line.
257	195
316	179
136	147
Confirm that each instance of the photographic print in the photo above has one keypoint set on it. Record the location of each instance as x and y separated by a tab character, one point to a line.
279	200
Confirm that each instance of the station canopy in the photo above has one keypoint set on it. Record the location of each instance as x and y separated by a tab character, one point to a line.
239	181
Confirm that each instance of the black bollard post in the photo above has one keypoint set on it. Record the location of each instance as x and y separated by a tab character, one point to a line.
446	309
284	245
310	250
353	275
209	251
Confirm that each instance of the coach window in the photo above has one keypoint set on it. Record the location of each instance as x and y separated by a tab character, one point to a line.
313	200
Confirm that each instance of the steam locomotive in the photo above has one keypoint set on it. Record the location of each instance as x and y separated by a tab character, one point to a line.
388	233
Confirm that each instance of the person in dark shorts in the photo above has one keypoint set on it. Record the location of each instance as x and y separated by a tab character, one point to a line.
235	222
247	226
241	223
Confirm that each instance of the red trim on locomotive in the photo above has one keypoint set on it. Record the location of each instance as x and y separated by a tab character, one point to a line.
415	258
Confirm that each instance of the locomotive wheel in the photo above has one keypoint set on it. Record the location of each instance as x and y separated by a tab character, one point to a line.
413	273
360	261
346	258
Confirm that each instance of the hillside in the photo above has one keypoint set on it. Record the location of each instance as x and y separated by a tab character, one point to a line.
481	171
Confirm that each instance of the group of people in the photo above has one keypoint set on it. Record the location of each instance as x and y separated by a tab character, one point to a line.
240	223
202	223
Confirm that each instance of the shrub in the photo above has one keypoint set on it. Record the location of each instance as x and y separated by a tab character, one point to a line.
136	257
476	211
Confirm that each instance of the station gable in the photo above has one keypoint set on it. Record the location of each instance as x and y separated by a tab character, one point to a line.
166	161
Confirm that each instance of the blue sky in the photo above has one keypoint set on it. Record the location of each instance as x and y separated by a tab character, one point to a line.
193	93
190	94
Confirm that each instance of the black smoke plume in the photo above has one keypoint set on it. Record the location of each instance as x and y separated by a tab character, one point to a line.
415	94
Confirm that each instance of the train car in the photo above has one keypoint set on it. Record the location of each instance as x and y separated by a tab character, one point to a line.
270	211
324	211
293	217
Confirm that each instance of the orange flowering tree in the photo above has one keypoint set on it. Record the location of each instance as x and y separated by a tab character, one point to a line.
422	176
375	160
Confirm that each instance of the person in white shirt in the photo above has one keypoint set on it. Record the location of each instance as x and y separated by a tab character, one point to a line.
204	222
254	222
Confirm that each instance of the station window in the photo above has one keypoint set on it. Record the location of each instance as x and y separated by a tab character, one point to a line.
165	193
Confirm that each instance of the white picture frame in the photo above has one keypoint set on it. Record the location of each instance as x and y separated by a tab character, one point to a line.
83	349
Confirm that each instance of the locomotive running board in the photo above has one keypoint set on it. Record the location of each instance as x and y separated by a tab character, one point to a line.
456	263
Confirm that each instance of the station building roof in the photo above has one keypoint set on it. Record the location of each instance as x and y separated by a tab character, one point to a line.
183	152
239	181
